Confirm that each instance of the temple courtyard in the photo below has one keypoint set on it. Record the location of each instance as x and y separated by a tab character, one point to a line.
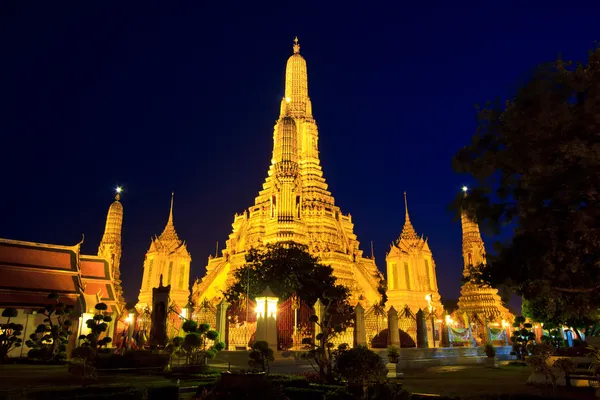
447	381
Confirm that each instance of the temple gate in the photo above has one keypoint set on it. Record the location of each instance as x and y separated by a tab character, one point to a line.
293	323
241	325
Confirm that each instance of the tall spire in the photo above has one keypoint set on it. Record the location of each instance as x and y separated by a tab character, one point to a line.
170	221
296	102
473	246
408	232
114	222
110	246
169	232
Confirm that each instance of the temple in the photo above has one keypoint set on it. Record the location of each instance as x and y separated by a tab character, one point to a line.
167	259
31	271
294	205
476	301
412	280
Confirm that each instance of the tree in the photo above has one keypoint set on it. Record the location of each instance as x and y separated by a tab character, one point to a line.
9	336
360	365
286	269
536	160
260	356
522	338
194	345
49	341
337	316
97	326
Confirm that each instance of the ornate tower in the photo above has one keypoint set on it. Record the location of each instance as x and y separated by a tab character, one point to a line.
411	271
167	257
474	299
110	246
294	204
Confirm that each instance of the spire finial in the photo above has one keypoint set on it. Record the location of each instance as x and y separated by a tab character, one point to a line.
296	45
119	189
408	232
170	221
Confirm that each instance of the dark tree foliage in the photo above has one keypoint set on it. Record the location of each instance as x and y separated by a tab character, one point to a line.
286	269
536	160
9	333
97	326
49	341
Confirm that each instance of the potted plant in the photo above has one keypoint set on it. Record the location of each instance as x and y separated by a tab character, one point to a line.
393	354
490	352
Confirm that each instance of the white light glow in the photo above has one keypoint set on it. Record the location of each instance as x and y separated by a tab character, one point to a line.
287	99
465	189
272	307
428	298
119	189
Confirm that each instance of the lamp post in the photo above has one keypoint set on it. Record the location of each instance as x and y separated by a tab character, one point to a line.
266	317
429	297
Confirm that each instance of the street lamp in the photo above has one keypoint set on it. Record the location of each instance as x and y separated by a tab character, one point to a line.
429	298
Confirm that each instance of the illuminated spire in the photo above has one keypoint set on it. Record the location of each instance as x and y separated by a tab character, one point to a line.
408	232
169	232
114	222
110	246
296	102
473	247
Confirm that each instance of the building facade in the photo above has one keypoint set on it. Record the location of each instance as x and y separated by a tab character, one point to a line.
167	261
294	205
411	272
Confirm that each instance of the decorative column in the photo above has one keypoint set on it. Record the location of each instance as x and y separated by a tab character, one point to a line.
266	318
422	341
222	321
360	333
320	313
393	331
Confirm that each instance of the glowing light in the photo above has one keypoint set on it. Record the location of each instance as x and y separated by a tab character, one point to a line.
464	189
504	323
428	298
287	99
448	319
266	304
119	189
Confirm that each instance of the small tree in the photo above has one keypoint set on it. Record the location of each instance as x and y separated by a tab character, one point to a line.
360	366
337	317
97	326
49	341
194	345
9	338
260	356
523	338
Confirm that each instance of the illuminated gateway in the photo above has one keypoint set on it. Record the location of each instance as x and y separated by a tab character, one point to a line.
294	205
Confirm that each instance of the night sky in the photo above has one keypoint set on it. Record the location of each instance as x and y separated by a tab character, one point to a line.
183	97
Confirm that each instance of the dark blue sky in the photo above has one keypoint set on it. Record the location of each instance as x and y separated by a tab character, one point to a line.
184	97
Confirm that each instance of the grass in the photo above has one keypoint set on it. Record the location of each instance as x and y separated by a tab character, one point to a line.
467	381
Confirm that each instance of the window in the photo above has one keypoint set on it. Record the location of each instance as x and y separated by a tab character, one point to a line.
428	274
407	275
149	276
170	273
181	274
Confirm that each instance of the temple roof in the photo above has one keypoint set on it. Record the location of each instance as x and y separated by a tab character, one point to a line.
30	271
169	240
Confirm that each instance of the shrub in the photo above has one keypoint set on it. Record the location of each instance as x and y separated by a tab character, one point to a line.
49	341
360	365
194	345
97	326
260	356
9	338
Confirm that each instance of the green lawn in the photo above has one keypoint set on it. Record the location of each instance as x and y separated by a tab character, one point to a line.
479	380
